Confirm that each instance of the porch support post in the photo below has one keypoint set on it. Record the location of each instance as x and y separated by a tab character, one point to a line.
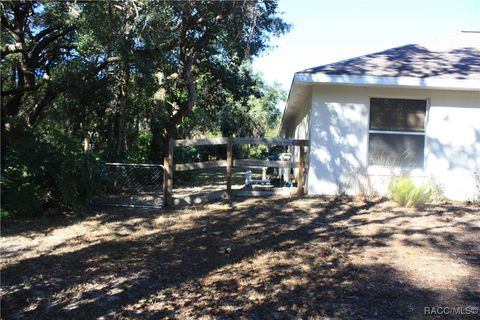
301	170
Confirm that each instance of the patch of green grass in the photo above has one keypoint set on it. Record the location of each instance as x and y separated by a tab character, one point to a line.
405	193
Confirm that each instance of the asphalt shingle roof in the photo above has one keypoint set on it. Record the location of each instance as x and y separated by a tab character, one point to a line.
454	57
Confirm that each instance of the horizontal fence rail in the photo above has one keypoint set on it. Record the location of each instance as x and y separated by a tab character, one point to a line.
229	163
199	142
219	141
200	165
236	163
265	163
272	142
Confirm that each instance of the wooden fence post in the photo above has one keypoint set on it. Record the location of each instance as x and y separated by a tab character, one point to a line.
168	164
301	170
229	166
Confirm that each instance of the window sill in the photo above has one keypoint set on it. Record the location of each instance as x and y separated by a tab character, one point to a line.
395	171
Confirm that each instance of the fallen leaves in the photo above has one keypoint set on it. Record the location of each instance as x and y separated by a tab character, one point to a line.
280	259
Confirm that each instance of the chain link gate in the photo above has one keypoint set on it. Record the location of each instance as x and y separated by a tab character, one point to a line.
133	185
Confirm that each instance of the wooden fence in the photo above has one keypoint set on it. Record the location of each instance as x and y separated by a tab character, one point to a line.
229	163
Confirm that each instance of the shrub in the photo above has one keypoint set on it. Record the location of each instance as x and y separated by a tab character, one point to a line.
48	170
367	189
4	214
437	190
405	193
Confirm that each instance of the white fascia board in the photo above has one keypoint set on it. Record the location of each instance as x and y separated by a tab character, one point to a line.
447	84
295	89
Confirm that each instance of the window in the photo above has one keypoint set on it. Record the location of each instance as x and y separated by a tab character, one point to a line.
397	132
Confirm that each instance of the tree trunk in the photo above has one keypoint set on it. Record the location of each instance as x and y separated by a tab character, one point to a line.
120	136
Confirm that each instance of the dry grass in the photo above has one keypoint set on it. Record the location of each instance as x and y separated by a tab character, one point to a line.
257	258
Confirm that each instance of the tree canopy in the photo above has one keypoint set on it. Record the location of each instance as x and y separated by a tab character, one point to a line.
124	77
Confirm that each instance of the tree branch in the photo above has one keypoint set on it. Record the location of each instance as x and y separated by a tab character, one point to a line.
23	89
99	67
46	40
43	33
5	23
11	48
34	115
191	88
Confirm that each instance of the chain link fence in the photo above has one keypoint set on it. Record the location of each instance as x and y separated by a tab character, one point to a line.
133	185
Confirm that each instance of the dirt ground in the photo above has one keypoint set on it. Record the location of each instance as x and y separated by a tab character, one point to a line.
276	258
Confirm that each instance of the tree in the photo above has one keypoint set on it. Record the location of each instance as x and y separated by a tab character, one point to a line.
123	76
209	43
259	116
40	61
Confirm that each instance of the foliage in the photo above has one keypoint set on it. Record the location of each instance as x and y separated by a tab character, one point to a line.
437	192
126	76
51	169
405	193
4	214
367	189
259	117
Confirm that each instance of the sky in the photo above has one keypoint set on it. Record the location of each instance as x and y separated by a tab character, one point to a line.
325	31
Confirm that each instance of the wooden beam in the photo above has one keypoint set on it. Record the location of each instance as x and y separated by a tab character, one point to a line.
229	166
200	165
301	170
265	163
275	141
200	142
236	163
224	140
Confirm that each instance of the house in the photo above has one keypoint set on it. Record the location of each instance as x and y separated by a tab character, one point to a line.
411	110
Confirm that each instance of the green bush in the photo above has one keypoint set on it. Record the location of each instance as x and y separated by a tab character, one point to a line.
4	214
48	170
405	193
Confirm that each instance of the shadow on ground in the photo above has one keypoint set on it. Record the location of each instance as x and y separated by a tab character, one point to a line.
271	258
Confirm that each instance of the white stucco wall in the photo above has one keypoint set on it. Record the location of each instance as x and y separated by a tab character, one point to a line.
453	143
339	140
302	128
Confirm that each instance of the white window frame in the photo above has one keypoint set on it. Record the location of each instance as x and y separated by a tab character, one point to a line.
376	168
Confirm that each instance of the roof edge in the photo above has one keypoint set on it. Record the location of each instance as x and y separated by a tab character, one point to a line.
426	83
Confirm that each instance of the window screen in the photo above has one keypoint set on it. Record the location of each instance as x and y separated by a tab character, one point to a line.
397	114
397	135
396	150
